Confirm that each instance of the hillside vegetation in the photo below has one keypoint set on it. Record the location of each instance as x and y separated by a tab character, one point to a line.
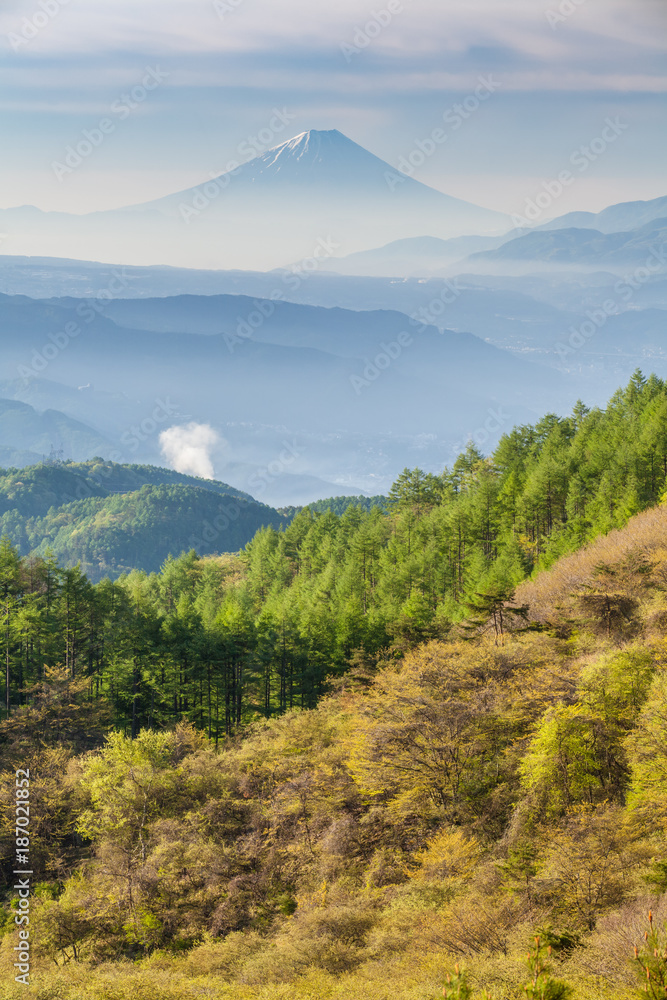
114	518
222	639
370	751
441	809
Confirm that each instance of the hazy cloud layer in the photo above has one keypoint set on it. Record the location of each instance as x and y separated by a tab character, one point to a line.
609	40
423	26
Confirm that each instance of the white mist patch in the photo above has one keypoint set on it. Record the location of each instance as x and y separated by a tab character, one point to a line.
187	448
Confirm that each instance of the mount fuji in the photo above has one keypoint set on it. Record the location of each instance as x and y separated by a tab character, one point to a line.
316	195
318	166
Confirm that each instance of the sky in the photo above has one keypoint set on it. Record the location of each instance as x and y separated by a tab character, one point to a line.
183	84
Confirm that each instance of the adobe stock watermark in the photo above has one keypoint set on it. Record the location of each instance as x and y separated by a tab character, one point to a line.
224	7
581	159
138	434
424	317
163	410
454	117
121	109
625	290
258	483
247	150
429	315
61	340
31	26
22	861
565	9
388	353
263	309
495	420
365	34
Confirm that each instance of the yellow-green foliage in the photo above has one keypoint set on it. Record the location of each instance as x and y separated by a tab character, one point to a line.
449	806
647	750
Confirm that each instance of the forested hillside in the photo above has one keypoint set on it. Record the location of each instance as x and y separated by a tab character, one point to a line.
366	748
264	630
114	518
437	811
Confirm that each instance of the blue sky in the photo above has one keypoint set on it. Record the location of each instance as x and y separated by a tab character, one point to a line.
559	68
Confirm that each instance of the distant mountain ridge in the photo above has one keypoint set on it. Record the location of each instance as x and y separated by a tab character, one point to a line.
615	218
421	255
27	434
589	247
263	373
314	195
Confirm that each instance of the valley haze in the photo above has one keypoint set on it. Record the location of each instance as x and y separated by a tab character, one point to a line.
473	324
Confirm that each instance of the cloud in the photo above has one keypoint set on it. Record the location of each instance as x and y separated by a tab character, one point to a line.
187	448
265	43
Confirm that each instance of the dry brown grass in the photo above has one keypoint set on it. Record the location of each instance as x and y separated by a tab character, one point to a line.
634	560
